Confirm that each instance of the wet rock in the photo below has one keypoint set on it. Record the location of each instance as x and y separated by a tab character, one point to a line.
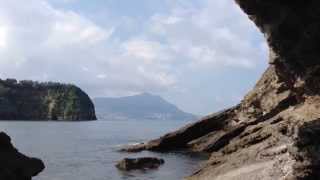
14	165
128	164
180	139
273	134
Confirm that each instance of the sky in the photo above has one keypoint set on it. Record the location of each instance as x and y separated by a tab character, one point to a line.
201	55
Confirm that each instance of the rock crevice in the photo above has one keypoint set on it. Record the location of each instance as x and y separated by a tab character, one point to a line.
274	132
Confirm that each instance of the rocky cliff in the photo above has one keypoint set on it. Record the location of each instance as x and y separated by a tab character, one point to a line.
14	165
28	100
274	133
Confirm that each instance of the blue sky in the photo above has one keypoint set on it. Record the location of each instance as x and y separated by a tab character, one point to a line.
201	55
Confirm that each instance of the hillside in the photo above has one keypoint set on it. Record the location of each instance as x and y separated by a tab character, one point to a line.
29	100
142	106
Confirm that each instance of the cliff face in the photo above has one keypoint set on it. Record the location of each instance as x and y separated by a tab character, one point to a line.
14	165
27	100
274	132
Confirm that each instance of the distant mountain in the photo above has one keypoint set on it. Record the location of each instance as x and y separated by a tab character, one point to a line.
142	106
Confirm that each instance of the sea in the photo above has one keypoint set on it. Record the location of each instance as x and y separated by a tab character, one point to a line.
89	150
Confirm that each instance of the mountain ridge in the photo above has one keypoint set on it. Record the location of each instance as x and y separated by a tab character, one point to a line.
273	133
140	106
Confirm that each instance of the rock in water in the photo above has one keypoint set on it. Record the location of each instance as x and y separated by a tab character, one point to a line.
28	100
14	165
274	133
139	163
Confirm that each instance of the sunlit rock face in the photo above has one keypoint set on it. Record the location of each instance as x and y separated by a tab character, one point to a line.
274	133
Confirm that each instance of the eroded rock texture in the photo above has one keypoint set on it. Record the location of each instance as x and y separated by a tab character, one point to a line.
14	165
274	133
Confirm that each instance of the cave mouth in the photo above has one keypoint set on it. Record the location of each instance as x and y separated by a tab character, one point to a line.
274	126
291	29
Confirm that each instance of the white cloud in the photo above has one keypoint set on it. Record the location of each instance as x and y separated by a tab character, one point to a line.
146	50
3	37
66	46
208	37
157	53
167	20
101	76
70	28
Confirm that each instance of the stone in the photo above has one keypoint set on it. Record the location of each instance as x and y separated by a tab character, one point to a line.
180	138
144	163
273	134
14	165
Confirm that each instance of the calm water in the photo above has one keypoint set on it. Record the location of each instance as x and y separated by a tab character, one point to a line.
88	150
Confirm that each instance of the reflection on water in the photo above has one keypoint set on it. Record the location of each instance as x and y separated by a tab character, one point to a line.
88	150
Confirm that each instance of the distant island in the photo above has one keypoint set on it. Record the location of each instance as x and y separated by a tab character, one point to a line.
143	106
31	100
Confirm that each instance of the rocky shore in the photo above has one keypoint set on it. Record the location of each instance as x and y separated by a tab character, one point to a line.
14	165
274	133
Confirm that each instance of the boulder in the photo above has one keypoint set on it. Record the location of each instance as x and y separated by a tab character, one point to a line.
14	165
144	163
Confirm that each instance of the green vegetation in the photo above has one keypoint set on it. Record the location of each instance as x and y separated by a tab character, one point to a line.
32	100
